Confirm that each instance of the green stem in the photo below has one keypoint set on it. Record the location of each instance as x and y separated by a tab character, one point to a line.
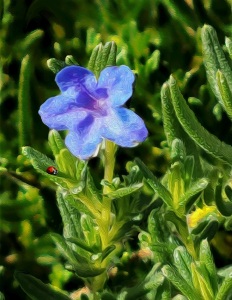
104	219
110	149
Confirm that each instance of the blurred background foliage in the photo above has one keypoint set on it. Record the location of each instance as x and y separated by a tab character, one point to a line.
155	38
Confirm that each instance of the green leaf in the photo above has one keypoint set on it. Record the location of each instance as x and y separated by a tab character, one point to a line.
70	215
183	260
153	62
210	228
64	248
66	162
83	267
90	230
178	152
41	162
225	207
180	283
179	297
228	43
91	191
25	121
164	194
194	192
102	56
82	244
55	142
55	65
225	93
109	53
225	271
200	283
176	185
36	289
214	59
107	251
124	191
144	169
70	60
94	58
189	165
195	130
155	184
206	259
158	235
225	290
173	129
83	204
31	38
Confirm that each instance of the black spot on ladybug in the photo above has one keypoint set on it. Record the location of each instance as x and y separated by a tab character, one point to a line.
52	170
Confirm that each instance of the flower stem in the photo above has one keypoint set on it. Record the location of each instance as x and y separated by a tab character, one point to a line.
110	149
104	220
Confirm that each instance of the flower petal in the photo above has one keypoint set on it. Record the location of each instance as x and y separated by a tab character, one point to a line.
75	76
61	113
84	143
118	82
124	127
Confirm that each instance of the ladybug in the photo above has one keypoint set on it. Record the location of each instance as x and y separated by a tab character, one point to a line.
52	170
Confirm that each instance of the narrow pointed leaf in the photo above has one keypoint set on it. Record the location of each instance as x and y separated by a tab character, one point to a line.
41	162
173	129
180	283
55	142
228	43
70	60
109	53
144	169
125	191
209	230
82	266
107	251
178	152
200	283
92	192
95	53
31	38
194	191
225	207
55	65
206	259
225	92
64	248
225	290
25	121
183	260
214	59
81	203
70	216
80	243
176	184
195	130
161	190
37	290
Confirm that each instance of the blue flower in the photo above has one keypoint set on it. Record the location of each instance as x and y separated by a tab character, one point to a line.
93	109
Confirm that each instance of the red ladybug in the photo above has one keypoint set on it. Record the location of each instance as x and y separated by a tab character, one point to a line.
52	170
